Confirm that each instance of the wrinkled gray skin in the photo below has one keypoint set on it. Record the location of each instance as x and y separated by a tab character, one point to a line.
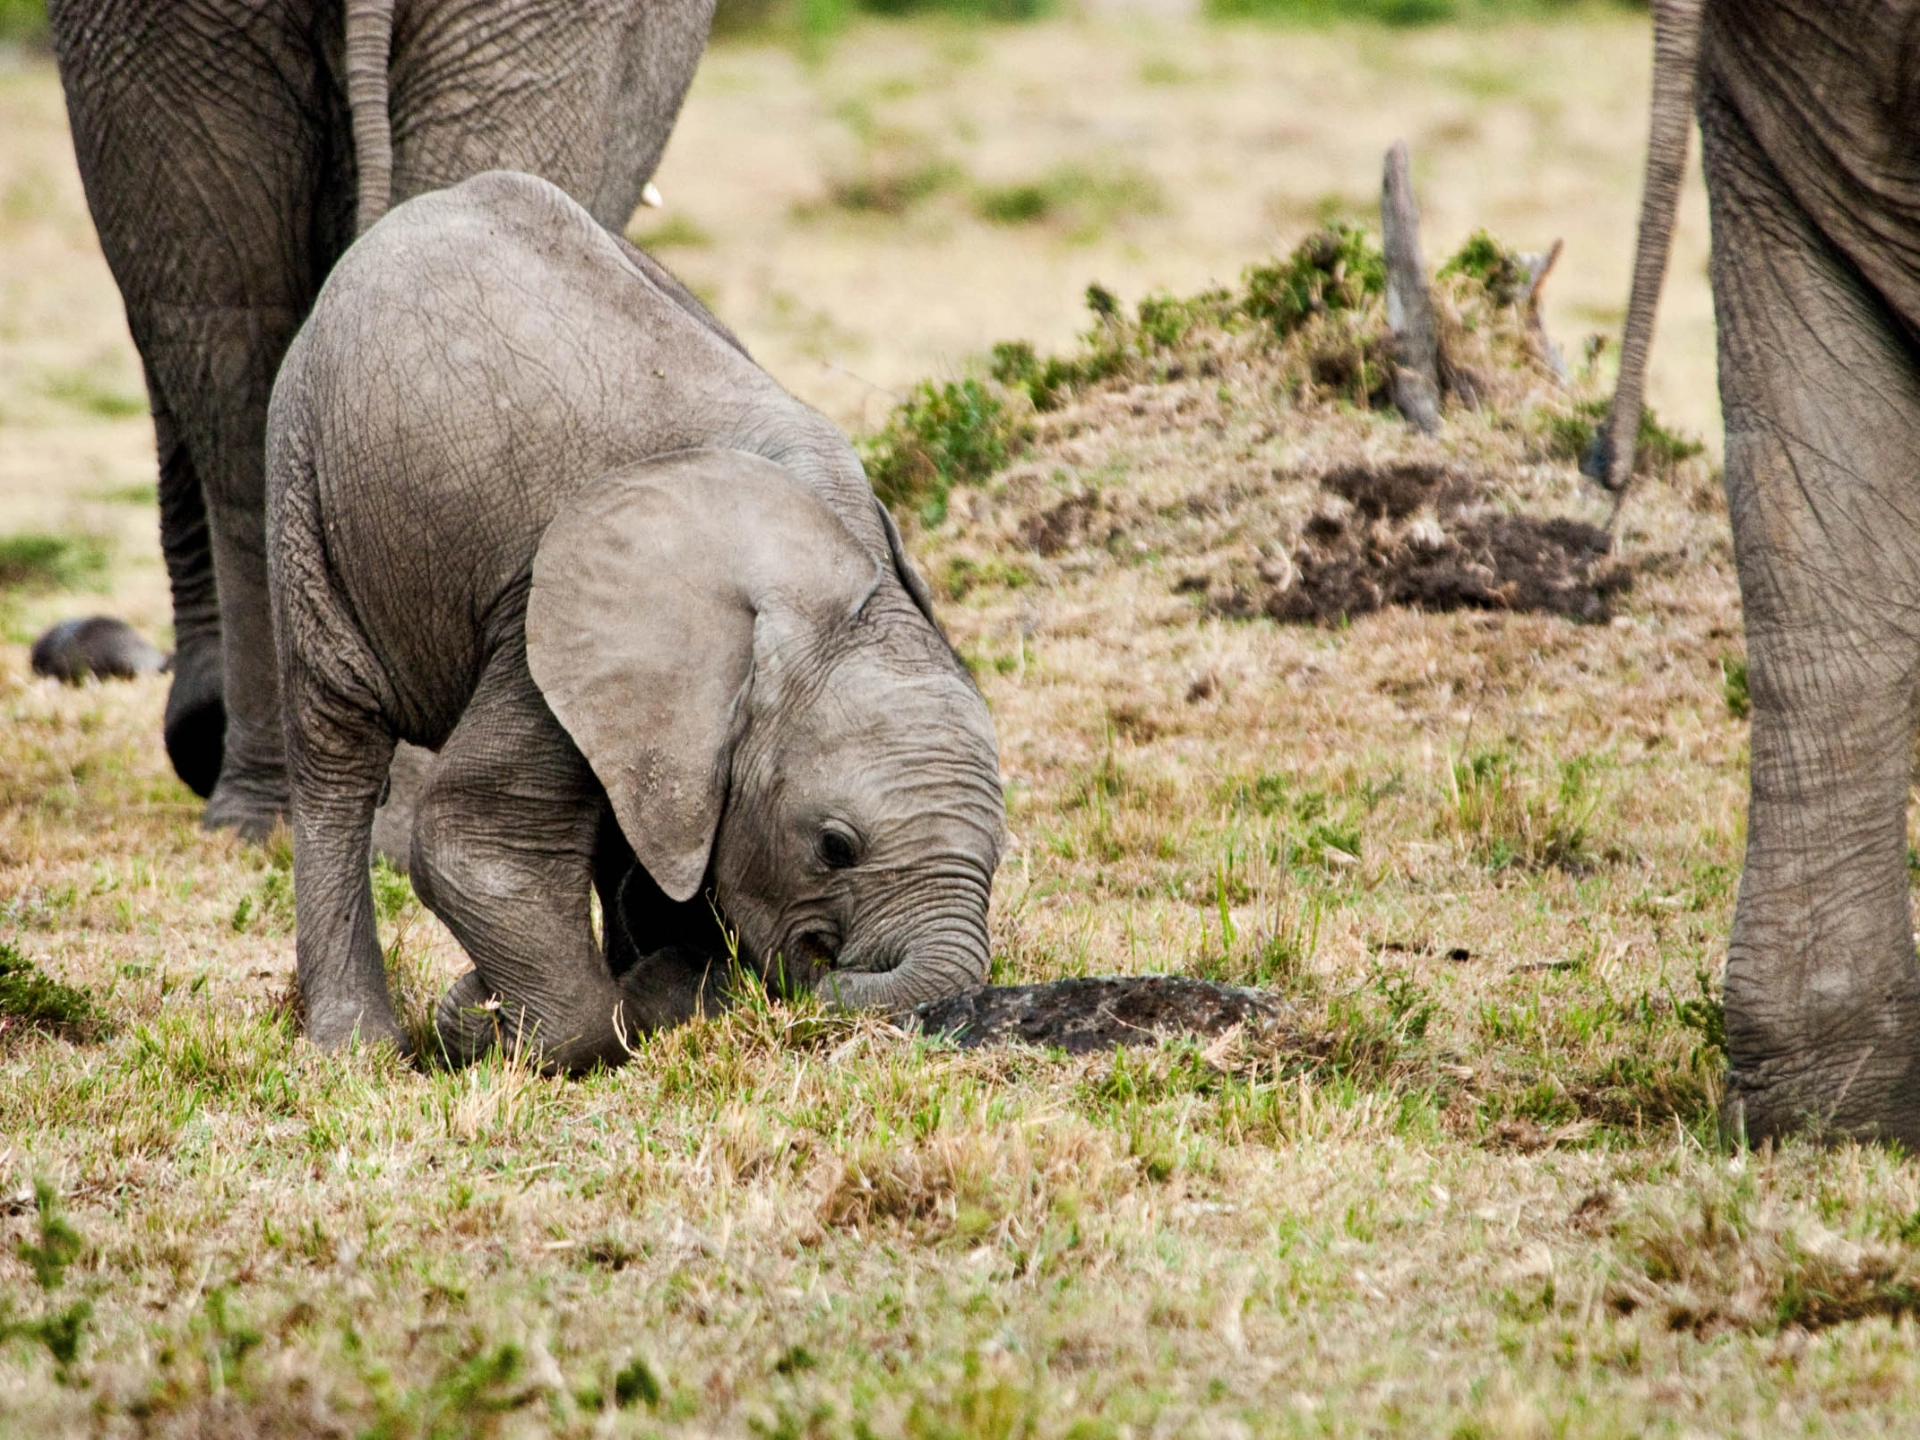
98	647
217	145
530	505
1811	127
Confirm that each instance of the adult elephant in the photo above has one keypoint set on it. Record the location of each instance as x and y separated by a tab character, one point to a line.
225	146
1810	117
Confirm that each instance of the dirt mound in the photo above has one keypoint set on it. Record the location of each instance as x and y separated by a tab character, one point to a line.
1084	1015
1417	534
1242	444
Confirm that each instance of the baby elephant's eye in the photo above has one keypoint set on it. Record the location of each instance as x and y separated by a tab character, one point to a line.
836	849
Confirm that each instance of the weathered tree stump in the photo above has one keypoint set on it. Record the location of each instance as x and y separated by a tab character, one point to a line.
1416	334
1089	1014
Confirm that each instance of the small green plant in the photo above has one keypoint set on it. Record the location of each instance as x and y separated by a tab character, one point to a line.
1338	269
1705	1014
1733	687
33	1001
1656	452
54	1248
1497	268
944	435
37	563
636	1385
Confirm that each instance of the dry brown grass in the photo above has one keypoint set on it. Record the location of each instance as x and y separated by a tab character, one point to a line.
1487	857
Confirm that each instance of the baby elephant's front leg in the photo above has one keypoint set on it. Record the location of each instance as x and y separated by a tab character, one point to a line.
503	853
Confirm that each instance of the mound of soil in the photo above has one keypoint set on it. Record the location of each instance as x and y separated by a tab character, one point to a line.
1084	1015
1419	534
1237	447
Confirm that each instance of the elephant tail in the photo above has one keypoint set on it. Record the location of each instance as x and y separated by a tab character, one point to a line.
1676	52
369	44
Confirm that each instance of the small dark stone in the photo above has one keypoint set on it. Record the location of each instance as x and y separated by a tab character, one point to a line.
1084	1015
99	646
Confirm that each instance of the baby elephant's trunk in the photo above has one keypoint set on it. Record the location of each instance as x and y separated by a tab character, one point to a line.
935	965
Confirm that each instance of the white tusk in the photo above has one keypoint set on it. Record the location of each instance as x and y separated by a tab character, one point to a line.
650	196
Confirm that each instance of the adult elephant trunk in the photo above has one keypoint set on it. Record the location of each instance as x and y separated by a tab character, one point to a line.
369	47
933	967
1676	52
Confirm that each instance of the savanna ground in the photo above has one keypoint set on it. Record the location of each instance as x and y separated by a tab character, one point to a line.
1475	1186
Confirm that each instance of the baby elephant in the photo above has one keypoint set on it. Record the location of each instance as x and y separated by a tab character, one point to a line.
531	506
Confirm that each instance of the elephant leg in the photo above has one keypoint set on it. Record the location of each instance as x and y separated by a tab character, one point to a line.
340	758
503	852
613	79
393	821
251	794
1821	394
196	719
669	956
219	209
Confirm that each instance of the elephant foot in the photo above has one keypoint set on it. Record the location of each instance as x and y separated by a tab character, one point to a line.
250	811
468	1020
672	986
1867	1091
368	1026
196	719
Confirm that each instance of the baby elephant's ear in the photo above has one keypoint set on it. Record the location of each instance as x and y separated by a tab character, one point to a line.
640	629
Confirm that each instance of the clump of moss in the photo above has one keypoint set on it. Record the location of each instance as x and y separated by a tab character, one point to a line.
1338	269
944	435
30	1000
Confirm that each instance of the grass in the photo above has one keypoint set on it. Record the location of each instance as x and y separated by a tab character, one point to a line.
23	21
1476	1188
36	563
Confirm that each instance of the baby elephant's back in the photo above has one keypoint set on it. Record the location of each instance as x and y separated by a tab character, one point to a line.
472	361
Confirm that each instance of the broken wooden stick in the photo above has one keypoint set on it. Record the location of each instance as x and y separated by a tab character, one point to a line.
1538	267
1416	334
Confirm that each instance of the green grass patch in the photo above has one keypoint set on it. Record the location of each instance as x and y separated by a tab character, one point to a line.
1658	450
893	190
38	563
88	393
1510	819
674	232
23	22
1083	199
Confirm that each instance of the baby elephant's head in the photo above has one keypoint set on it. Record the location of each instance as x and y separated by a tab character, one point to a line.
771	709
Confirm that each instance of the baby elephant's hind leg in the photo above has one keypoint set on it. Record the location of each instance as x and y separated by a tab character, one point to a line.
503	846
338	758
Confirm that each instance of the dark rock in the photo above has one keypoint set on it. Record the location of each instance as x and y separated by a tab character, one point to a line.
1084	1015
98	646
